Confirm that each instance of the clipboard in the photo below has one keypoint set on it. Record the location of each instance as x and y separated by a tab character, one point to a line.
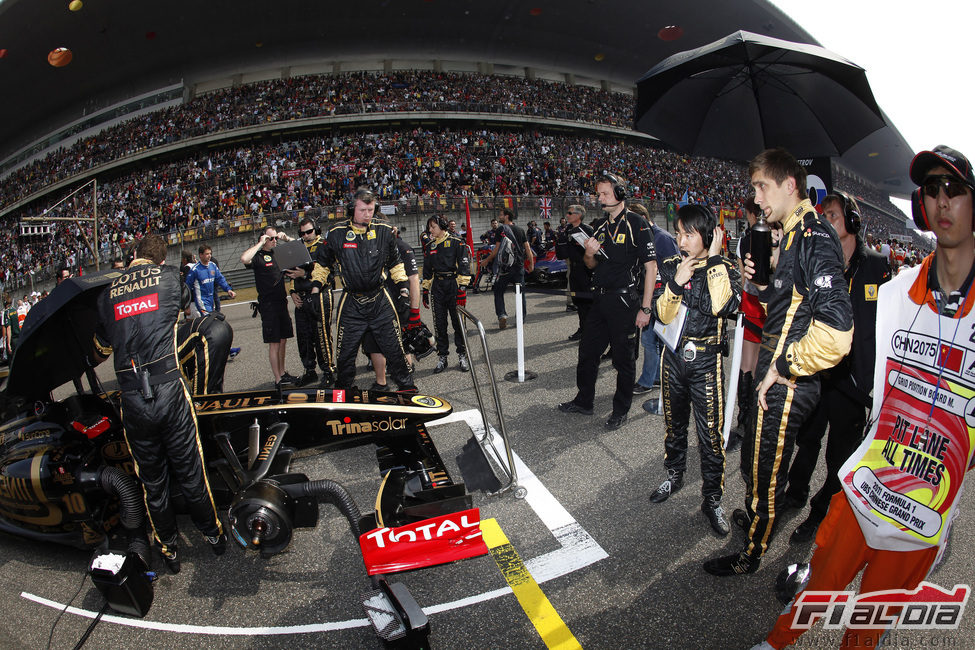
671	332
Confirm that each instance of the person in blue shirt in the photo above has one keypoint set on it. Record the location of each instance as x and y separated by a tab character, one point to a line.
201	280
666	247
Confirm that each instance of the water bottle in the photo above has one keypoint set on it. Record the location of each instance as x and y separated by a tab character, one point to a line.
761	251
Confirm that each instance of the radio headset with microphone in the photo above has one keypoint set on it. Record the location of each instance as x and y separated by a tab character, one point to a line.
619	191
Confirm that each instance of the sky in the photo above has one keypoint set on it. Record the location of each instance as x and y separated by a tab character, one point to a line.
918	58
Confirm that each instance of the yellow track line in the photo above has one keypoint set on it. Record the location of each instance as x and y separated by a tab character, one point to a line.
550	626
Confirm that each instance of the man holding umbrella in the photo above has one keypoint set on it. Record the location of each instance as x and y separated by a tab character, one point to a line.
808	328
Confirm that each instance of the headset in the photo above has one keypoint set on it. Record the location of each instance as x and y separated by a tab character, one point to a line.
710	221
851	213
314	224
440	220
920	214
619	190
366	195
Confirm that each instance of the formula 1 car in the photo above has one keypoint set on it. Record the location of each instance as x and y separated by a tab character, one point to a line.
66	475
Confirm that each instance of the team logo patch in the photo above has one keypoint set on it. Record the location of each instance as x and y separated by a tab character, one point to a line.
350	235
426	400
371	234
621	238
350	245
600	237
267	258
137	306
824	282
870	292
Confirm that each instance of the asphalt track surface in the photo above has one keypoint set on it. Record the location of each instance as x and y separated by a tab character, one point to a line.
620	572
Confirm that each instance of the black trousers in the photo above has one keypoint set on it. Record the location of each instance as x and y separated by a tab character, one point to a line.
583	306
699	383
846	419
443	301
163	440
313	329
203	347
611	321
767	450
376	313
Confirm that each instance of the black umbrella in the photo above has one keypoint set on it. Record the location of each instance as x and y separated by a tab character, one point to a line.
744	93
56	343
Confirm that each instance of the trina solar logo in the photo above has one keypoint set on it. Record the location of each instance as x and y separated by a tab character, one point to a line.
346	427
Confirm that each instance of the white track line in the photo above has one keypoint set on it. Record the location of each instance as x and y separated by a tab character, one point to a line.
577	549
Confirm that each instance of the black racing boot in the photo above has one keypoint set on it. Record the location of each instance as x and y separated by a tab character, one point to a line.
715	513
464	366
217	544
732	565
171	557
309	377
328	379
441	366
674	482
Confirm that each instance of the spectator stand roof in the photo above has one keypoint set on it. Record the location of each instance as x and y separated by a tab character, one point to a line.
121	49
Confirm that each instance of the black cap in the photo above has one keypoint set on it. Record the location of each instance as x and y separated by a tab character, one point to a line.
943	156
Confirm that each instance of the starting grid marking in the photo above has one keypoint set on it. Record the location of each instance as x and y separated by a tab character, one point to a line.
577	549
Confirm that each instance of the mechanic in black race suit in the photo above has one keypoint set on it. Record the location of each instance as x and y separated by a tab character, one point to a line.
622	256
138	314
579	276
366	254
311	294
446	274
808	328
709	286
846	388
407	302
203	346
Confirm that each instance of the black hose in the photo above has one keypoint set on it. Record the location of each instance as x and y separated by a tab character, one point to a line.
116	482
333	493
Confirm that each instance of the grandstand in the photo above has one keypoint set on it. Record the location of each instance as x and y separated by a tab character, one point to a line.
182	170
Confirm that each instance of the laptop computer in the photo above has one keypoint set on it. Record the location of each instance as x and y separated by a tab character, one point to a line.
291	255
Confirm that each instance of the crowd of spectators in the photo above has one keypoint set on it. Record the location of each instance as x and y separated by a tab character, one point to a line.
320	172
281	100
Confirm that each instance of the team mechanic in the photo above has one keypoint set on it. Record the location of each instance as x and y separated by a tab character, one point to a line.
137	320
808	328
446	274
407	307
366	253
312	296
622	256
846	388
203	347
709	286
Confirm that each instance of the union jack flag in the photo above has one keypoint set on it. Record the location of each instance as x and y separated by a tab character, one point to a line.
545	208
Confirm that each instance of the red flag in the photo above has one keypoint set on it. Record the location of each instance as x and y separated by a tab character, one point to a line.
470	233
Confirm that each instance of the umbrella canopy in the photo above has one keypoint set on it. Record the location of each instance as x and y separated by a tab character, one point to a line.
56	343
747	92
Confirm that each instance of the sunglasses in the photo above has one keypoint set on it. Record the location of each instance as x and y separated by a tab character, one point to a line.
953	187
306	232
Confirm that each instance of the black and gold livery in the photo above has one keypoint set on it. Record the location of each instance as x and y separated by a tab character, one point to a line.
365	256
313	318
809	328
52	453
694	374
446	272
